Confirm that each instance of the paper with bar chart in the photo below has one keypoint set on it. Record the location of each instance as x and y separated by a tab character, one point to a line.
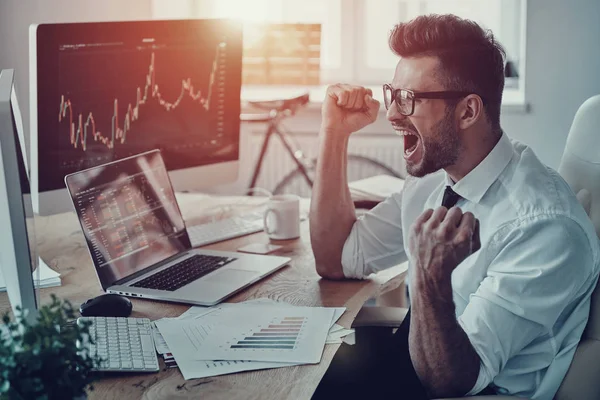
295	334
253	333
193	369
282	333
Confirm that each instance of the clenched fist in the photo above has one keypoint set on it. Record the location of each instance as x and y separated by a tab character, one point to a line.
347	109
440	240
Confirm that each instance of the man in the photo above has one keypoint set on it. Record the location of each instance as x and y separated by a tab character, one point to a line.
500	282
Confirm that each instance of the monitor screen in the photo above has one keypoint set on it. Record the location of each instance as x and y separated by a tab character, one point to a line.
128	214
110	90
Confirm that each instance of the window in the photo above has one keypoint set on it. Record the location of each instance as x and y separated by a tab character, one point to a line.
374	58
354	33
328	13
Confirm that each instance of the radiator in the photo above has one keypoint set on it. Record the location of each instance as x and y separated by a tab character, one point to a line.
277	163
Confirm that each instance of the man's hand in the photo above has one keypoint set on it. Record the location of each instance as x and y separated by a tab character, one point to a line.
347	109
440	240
440	350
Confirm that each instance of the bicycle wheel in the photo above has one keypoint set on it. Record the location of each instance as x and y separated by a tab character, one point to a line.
359	167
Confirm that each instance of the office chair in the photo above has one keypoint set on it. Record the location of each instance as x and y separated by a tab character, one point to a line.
580	167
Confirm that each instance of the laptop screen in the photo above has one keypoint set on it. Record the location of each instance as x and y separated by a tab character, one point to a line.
128	214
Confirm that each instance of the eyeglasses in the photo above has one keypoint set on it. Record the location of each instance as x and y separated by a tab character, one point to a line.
405	98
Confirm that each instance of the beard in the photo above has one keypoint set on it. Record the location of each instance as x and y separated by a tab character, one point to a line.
440	148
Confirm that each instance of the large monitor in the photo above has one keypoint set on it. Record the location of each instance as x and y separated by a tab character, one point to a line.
105	91
17	238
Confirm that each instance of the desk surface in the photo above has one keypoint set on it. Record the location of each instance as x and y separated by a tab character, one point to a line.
61	244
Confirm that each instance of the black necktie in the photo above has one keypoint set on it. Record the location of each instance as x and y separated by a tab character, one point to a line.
450	197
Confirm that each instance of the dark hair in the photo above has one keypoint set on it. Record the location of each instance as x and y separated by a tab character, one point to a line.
470	58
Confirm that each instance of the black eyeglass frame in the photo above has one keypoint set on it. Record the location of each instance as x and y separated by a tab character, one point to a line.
445	94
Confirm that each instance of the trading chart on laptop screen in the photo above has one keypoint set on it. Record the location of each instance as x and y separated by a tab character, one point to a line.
129	215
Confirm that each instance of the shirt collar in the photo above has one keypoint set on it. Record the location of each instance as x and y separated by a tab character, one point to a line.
476	183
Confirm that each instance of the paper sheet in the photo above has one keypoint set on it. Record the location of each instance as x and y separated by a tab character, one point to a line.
253	333
193	369
376	187
196	311
335	335
159	341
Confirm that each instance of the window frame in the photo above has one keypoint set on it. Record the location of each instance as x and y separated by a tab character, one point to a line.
365	75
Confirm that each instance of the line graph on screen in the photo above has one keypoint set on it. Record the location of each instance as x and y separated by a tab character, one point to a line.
83	128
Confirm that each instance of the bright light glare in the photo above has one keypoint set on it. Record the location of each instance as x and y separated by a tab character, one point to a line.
251	11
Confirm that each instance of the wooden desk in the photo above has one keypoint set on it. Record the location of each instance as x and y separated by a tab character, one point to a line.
61	244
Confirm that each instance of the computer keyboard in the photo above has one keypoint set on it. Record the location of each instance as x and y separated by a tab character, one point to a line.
124	344
225	229
184	272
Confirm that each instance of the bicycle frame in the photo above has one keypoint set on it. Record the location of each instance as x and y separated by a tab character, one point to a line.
278	110
274	118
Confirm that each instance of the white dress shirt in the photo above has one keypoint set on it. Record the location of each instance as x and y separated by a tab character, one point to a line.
523	299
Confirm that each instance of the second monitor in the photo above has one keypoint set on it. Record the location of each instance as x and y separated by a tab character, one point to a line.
105	91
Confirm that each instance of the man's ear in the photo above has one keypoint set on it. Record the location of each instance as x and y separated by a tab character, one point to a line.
470	110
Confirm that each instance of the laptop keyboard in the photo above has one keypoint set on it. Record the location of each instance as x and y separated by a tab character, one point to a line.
184	272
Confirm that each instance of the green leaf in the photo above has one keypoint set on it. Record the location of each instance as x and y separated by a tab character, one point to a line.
42	360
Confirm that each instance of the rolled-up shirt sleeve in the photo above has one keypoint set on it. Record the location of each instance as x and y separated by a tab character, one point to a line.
536	274
375	242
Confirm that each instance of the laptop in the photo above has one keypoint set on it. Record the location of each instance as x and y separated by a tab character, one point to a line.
139	243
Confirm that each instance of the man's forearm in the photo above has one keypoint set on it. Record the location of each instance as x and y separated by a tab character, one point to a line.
440	350
332	211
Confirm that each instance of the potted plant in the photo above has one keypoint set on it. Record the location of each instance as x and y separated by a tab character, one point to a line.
46	359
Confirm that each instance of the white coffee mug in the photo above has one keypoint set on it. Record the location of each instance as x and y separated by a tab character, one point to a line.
282	217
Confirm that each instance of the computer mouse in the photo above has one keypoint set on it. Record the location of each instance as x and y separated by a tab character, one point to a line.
107	305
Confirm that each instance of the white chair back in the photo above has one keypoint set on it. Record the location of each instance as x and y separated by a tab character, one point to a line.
580	167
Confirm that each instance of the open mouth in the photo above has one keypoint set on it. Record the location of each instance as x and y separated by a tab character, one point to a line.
411	142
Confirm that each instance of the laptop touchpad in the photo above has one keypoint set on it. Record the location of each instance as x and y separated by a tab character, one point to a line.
231	276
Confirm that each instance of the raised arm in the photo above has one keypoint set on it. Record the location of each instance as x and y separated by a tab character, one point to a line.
346	109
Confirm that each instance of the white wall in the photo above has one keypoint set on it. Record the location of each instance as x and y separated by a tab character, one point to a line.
563	69
17	15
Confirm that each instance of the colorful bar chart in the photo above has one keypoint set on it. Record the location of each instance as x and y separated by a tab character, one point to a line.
281	334
257	333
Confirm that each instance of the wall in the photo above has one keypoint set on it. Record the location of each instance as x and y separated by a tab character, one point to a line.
17	15
563	70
